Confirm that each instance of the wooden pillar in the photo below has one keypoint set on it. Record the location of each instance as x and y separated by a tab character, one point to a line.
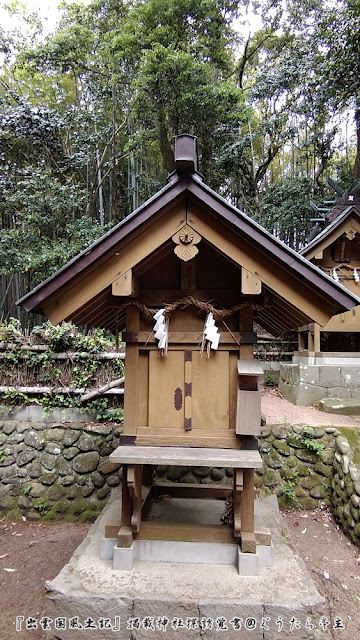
248	541
131	374
317	336
301	340
125	535
246	324
246	506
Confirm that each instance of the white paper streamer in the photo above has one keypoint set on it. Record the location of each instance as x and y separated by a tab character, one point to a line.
211	334
161	330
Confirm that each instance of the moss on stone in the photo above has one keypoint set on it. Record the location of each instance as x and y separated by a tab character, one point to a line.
292	461
294	441
201	472
78	506
349	486
300	492
287	473
353	438
311	481
61	506
286	502
271	478
264	492
217	473
319	492
282	447
323	469
303	470
273	460
265	446
308	503
13	515
161	470
69	517
88	515
50	515
56	492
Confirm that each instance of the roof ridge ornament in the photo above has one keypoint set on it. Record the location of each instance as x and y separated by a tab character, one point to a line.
185	154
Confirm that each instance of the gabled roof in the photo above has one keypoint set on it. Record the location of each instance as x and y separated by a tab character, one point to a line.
300	292
332	231
344	207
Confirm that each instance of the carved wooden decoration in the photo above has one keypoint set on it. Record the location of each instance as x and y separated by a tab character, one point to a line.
186	240
350	233
342	250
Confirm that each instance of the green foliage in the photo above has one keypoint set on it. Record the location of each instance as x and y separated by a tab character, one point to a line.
88	115
3	455
18	365
10	331
307	440
288	490
41	505
14	398
285	210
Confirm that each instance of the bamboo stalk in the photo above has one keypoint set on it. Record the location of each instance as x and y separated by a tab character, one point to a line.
66	355
59	390
102	390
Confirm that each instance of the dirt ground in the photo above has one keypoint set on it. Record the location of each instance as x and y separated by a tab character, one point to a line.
31	553
277	410
36	552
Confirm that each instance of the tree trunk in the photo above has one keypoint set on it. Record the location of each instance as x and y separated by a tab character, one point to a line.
165	147
356	171
113	167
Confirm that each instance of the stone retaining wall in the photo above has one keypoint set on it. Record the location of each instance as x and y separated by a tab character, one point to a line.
51	470
305	384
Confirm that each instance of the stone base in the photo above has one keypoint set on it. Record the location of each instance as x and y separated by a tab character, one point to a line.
194	511
186	552
193	600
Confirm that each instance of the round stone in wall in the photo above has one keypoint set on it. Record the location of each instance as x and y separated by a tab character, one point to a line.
86	462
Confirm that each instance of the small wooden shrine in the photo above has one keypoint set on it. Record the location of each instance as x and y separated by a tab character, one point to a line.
184	277
334	247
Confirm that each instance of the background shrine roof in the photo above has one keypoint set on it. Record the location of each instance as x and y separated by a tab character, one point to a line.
332	226
186	182
348	204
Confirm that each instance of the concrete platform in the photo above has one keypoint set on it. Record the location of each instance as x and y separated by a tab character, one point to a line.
173	600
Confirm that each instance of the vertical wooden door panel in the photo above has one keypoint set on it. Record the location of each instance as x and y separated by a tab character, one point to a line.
166	376
210	391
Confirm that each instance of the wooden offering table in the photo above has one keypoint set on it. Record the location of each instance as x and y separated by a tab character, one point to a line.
136	493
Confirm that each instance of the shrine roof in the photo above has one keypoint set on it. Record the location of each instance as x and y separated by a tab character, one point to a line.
183	184
336	223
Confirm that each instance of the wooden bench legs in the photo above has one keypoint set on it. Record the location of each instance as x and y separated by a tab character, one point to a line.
131	504
134	502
